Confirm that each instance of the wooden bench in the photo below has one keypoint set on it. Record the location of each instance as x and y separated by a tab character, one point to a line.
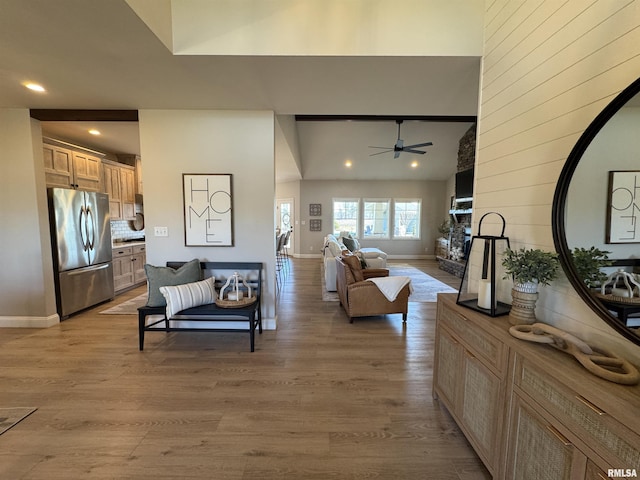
251	314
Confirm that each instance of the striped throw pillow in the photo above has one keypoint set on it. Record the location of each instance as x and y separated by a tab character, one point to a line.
188	295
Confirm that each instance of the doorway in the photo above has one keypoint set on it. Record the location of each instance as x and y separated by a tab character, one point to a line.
285	220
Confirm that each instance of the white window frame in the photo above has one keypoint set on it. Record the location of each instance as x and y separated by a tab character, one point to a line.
356	227
397	236
385	235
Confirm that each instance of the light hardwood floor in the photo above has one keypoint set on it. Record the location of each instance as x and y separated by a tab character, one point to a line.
319	398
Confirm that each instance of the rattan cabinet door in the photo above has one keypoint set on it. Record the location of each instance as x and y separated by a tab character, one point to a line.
448	365
481	408
537	451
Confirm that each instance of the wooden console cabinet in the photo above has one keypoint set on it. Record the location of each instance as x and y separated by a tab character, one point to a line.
530	411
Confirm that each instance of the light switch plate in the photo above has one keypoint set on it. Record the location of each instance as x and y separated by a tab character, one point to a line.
161	231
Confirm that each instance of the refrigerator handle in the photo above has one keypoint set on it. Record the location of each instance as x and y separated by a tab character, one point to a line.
83	228
91	229
92	268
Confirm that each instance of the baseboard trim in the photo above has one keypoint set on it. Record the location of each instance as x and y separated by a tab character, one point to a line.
29	322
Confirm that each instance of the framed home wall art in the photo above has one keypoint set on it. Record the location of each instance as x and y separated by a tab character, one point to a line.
208	212
623	212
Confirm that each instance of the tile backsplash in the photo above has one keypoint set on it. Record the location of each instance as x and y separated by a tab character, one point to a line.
123	230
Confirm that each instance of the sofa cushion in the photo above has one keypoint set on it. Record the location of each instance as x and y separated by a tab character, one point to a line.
188	295
350	243
334	247
165	276
369	252
353	262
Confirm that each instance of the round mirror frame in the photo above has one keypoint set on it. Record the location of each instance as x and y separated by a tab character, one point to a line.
559	204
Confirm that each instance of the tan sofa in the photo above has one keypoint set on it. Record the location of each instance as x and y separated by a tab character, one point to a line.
362	298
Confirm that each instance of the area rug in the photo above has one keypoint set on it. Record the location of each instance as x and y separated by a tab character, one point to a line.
9	417
130	307
425	287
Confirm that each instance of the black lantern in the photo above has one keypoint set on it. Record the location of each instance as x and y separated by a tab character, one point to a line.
483	283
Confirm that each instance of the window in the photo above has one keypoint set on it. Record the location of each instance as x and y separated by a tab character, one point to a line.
406	219
376	219
345	215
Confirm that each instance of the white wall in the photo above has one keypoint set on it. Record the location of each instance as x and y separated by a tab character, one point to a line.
27	296
324	27
323	192
241	143
548	70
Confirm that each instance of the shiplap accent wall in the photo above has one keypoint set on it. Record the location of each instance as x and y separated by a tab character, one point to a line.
549	68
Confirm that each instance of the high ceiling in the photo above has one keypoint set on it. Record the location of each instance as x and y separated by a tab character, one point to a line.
101	55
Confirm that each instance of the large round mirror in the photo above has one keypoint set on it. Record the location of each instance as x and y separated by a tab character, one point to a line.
597	205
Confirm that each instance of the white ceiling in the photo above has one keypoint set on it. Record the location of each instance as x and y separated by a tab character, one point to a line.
100	55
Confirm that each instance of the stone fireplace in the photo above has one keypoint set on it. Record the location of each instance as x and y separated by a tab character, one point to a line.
453	258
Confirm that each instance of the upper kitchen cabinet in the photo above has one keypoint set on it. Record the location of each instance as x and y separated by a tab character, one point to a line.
68	166
136	162
120	185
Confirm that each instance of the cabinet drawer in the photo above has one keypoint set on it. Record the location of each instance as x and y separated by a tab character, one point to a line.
591	424
122	252
139	249
491	350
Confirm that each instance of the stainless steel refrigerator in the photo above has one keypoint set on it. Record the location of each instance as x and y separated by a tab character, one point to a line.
81	242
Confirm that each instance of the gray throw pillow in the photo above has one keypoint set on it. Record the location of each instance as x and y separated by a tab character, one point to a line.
350	243
166	276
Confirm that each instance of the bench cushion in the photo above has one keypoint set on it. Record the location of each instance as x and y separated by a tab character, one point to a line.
188	295
163	276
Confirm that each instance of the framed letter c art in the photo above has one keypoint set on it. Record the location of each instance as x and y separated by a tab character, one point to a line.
208	212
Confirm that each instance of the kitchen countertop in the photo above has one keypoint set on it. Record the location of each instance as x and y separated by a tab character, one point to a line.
127	244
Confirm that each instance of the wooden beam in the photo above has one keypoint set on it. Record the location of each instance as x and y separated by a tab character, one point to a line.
59	115
387	118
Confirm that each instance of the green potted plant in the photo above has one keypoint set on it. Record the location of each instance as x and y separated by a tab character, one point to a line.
589	262
445	227
528	268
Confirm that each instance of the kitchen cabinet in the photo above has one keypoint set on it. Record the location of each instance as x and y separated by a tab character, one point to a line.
68	166
139	258
136	162
119	184
529	410
128	266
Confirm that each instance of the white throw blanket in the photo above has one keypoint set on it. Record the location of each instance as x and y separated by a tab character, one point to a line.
391	286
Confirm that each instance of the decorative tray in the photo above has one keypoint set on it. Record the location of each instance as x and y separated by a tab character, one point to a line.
224	303
617	299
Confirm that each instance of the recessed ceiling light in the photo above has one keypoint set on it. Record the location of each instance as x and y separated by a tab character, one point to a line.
414	164
35	87
348	164
93	131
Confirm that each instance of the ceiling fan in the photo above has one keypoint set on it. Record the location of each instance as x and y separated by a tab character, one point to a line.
400	147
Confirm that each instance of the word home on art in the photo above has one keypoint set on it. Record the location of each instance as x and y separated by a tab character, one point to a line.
208	220
624	207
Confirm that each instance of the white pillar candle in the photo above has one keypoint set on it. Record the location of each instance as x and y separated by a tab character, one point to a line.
620	292
484	294
235	296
